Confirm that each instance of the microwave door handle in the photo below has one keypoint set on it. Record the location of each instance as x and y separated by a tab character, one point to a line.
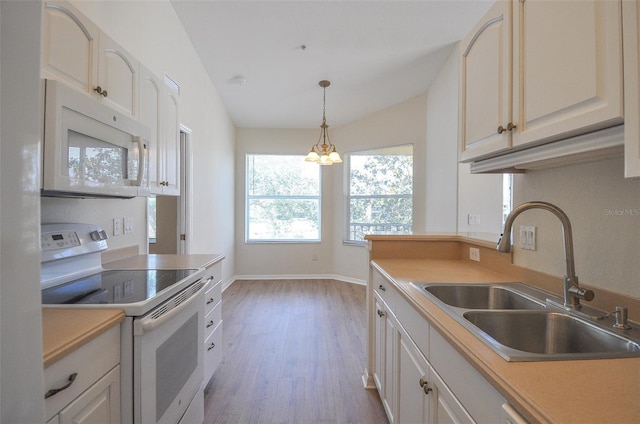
149	323
141	159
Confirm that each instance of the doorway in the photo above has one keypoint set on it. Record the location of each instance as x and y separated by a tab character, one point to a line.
171	224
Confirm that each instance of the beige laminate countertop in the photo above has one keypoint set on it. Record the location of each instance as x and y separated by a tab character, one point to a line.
65	330
579	391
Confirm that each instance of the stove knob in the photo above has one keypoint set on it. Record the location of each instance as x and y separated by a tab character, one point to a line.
103	235
95	235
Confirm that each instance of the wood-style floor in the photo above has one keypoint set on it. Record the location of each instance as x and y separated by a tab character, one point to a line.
294	353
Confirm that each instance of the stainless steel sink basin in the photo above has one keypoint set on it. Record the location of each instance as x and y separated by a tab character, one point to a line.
476	296
522	323
550	333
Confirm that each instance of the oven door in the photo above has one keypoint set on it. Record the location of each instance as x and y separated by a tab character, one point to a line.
168	357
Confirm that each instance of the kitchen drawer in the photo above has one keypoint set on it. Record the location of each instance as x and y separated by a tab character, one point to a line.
215	272
90	361
212	296
212	353
212	319
386	290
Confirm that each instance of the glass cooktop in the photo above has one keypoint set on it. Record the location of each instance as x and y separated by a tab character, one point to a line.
114	287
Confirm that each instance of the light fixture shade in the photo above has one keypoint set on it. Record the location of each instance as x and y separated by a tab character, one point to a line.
335	156
312	157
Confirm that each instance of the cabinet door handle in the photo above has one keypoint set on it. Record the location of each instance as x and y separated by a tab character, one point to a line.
381	313
210	301
100	91
210	323
425	386
381	287
52	392
510	127
211	347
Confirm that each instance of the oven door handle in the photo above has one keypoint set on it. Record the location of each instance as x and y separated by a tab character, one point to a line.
150	323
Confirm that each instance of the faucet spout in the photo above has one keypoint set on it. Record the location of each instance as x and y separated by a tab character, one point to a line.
572	291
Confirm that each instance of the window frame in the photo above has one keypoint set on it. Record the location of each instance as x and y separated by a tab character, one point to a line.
348	197
248	197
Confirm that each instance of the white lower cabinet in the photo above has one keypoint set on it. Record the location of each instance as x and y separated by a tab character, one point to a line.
213	322
420	377
423	396
84	386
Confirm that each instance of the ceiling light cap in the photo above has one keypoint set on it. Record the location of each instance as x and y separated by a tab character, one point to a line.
324	83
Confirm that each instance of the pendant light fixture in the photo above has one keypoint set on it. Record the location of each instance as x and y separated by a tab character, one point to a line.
324	152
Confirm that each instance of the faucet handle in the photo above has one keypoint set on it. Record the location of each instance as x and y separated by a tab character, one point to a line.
622	315
581	293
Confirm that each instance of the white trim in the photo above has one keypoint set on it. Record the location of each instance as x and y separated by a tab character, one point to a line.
342	278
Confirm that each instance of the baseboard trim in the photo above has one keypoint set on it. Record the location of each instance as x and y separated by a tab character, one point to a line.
294	277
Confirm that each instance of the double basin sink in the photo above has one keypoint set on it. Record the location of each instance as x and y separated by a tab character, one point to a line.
522	323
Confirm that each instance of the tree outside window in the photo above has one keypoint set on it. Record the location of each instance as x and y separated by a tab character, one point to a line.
282	199
380	192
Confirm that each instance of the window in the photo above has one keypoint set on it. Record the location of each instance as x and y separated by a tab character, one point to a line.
283	199
151	218
380	192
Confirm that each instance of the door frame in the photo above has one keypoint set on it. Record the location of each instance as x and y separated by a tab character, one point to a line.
185	201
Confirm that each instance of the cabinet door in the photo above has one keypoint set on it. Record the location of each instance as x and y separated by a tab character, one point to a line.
98	404
445	407
485	84
631	33
568	68
69	50
118	77
171	144
151	116
414	387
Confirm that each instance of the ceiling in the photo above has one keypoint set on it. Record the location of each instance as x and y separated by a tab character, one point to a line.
265	58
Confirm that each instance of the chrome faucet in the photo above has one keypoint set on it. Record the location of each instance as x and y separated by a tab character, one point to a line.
572	291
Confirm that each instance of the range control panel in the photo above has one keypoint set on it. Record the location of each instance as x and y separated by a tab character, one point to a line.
59	240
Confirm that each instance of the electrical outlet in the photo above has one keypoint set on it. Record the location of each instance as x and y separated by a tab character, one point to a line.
474	254
314	256
473	219
128	225
117	226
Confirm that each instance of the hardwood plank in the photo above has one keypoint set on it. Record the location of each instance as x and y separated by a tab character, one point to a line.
294	353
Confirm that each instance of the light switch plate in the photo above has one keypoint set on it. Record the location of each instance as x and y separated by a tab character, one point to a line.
117	226
128	225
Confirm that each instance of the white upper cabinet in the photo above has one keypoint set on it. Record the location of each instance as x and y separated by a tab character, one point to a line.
69	51
159	112
117	77
75	52
485	84
536	71
568	68
631	26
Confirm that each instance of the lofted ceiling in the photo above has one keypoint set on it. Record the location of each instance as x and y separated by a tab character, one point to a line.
265	58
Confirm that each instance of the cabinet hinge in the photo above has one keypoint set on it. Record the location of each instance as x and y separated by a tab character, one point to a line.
183	237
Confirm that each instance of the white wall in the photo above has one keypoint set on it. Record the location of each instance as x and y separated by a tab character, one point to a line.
151	32
442	149
21	375
604	209
401	124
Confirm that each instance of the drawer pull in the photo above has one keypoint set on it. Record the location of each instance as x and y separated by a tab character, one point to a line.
381	287
210	301
210	323
381	313
52	392
211	347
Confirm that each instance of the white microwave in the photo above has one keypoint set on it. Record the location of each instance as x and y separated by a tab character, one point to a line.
91	150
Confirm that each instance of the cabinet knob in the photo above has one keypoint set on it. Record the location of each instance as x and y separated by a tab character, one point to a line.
381	313
100	91
210	301
211	346
381	287
510	127
210	323
425	386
